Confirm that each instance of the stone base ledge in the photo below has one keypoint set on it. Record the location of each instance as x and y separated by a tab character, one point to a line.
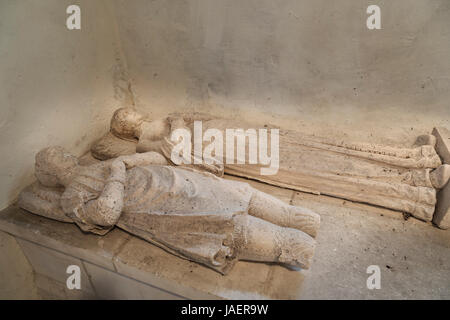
121	266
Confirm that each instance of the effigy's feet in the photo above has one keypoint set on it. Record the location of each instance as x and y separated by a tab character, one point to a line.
440	176
425	140
304	220
296	248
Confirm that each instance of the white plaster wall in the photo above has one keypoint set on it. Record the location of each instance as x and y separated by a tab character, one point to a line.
311	65
57	87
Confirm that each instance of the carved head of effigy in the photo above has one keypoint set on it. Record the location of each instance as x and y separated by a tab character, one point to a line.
54	166
126	122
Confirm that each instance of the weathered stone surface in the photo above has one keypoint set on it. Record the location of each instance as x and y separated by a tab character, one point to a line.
53	264
63	237
425	139
441	217
154	266
189	213
50	289
442	143
247	280
110	285
137	259
414	258
283	194
107	144
391	177
16	273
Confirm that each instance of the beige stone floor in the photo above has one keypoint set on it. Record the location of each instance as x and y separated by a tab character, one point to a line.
414	258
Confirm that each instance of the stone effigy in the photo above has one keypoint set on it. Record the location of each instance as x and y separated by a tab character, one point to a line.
403	179
192	214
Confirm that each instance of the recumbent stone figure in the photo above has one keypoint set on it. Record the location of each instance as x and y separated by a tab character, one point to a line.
403	179
192	214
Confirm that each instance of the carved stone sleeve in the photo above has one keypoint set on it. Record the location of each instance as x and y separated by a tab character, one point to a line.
92	213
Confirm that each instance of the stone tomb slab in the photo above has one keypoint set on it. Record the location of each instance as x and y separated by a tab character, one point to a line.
130	257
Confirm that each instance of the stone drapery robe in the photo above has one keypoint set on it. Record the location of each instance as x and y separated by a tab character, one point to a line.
188	213
391	177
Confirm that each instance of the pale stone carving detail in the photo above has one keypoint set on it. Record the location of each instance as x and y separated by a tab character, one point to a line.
195	215
396	178
110	146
